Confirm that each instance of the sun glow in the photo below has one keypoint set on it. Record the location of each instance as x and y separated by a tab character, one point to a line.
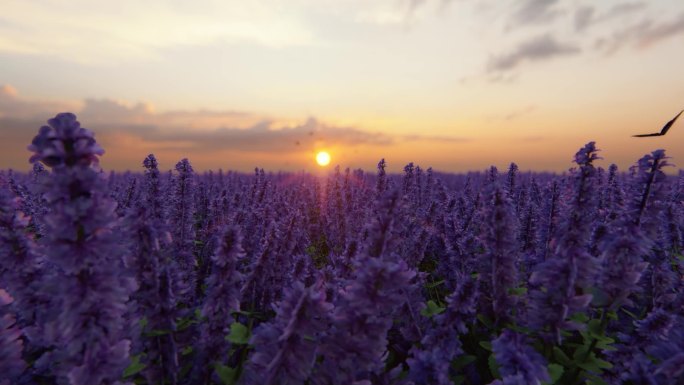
323	158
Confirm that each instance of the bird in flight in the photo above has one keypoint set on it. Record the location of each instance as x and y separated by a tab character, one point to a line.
664	130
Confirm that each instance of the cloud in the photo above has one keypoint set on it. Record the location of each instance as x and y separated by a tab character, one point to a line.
535	12
268	137
540	48
654	34
11	105
584	17
435	138
587	16
125	128
641	35
206	130
95	33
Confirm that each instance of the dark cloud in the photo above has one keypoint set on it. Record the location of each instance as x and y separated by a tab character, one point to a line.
540	48
191	132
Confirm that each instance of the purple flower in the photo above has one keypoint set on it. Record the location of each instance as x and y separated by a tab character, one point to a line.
498	268
656	325
20	264
560	284
65	143
181	221
355	346
430	364
285	348
623	264
90	287
11	345
518	362
223	298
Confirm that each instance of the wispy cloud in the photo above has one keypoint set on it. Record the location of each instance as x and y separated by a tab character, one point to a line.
544	47
435	138
587	16
535	12
129	31
641	35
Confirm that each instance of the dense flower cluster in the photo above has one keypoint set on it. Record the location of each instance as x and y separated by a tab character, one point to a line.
422	278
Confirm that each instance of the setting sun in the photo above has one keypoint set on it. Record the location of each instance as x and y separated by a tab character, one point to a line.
323	158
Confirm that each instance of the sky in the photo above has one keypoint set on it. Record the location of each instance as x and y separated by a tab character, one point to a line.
456	85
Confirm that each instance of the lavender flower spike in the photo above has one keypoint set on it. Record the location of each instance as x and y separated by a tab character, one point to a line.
223	298
286	347
90	288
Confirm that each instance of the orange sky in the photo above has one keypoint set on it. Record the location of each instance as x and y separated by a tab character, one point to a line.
450	84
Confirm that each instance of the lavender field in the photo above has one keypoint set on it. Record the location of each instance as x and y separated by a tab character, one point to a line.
496	277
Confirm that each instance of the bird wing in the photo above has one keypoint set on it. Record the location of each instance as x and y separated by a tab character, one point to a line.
670	123
645	135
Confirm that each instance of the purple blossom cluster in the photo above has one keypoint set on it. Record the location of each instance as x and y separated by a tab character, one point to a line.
422	278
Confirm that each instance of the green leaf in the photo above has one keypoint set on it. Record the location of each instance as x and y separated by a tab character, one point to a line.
462	361
517	291
239	334
432	309
432	285
485	321
142	323
556	372
594	364
579	317
493	366
185	323
157	333
226	374
561	357
135	367
187	350
594	328
595	380
486	345
612	315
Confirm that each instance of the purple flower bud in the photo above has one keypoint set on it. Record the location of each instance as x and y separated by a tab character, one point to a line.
65	143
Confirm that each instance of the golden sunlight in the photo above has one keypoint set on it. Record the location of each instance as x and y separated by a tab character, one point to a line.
323	158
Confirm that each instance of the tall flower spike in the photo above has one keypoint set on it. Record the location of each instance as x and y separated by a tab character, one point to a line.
90	288
285	348
499	267
223	298
441	345
559	284
182	228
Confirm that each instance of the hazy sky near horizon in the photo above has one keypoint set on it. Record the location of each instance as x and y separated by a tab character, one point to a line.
453	84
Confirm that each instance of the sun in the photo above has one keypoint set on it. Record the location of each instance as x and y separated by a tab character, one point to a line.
323	158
